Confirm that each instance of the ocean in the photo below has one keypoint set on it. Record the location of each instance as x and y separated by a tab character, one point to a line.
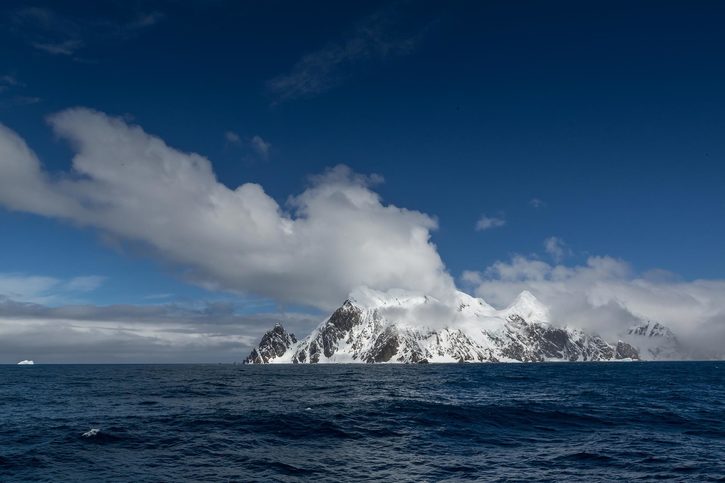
454	422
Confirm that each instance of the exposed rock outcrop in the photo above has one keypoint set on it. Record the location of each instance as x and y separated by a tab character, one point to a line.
274	344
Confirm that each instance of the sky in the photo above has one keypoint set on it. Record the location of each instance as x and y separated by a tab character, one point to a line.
176	177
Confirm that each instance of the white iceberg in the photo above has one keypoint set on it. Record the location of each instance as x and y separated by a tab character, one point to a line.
26	362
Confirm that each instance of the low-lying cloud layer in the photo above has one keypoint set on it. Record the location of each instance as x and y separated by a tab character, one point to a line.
606	296
213	332
334	236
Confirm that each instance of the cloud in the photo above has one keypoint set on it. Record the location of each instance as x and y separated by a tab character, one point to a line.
556	248
256	144
85	284
25	287
334	236
8	81
65	47
372	40
158	296
260	146
607	296
16	101
55	33
232	137
9	85
48	31
536	203
209	332
143	20
488	222
45	289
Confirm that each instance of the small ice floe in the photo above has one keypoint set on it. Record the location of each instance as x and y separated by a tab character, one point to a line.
308	409
26	362
91	433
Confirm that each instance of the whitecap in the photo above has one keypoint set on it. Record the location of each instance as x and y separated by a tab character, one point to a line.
91	432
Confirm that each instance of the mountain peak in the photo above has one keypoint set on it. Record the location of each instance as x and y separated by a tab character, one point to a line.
467	303
274	344
528	307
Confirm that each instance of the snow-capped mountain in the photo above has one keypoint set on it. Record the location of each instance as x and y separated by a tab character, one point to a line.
655	341
374	327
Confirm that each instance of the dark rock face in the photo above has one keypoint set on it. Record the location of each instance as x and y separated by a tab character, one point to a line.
337	328
273	344
651	329
531	342
386	346
344	318
625	351
462	348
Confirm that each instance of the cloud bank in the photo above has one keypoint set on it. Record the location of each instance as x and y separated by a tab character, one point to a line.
211	332
606	296
334	236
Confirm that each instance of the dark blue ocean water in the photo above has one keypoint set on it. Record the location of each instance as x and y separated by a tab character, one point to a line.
507	422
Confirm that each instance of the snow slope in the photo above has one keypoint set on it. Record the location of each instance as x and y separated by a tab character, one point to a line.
402	327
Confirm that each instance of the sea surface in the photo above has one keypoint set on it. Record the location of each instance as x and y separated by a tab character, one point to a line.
456	422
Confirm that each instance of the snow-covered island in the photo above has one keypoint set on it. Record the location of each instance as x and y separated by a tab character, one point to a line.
399	327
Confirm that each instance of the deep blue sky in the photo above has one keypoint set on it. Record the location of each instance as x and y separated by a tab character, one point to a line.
611	113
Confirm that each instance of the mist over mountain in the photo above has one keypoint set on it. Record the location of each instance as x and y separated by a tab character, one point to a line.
401	327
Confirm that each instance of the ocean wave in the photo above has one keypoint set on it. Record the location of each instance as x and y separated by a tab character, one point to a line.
446	423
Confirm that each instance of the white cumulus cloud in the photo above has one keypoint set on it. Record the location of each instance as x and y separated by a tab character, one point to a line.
334	236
